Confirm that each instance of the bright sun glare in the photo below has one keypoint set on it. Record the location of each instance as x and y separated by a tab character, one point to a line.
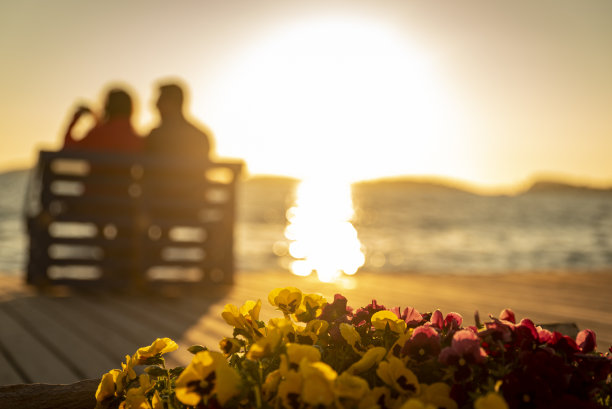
343	96
333	101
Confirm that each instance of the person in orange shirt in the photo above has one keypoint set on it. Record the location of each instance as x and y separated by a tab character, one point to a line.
112	133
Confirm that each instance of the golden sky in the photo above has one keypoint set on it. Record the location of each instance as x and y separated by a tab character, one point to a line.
489	92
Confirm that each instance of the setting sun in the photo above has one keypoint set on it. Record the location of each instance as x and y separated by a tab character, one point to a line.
329	96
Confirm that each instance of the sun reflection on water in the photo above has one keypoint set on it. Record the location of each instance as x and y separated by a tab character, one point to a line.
322	238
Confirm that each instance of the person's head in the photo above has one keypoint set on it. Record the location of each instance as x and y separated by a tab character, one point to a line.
118	104
171	99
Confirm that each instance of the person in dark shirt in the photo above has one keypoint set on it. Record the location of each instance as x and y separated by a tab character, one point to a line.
176	136
113	132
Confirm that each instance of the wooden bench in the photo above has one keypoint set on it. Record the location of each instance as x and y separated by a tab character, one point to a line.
129	220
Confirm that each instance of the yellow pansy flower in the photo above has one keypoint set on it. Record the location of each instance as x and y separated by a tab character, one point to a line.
349	390
378	397
265	346
290	390
207	374
352	337
297	352
413	403
229	346
159	346
381	319
244	318
228	382
371	357
270	385
314	301
395	374
313	330
128	366
126	374
156	401
231	314
250	310
283	326
107	386
310	308
192	385
287	299
135	400
318	383
491	400
437	394
136	397
397	346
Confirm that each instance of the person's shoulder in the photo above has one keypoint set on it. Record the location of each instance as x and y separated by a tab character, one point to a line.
154	133
200	128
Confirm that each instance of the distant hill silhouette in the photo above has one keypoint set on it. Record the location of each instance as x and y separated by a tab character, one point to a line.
559	187
438	186
411	185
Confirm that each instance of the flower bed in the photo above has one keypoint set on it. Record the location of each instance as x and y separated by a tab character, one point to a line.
322	354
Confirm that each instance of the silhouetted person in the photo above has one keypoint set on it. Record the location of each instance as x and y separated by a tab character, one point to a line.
176	136
113	132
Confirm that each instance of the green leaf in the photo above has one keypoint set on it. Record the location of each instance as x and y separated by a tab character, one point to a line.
240	331
194	349
156	371
175	372
155	360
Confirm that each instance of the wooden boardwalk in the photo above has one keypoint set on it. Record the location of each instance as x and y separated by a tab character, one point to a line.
64	336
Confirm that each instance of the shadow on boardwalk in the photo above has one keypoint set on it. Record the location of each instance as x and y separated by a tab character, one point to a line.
64	335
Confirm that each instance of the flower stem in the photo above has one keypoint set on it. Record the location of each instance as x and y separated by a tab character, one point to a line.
258	387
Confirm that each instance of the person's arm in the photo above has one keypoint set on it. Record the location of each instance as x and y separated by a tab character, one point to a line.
69	140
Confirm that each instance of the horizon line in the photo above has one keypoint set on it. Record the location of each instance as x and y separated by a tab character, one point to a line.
443	180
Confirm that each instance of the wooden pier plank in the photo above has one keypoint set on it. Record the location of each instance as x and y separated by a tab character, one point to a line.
117	320
8	374
112	344
78	353
35	359
174	320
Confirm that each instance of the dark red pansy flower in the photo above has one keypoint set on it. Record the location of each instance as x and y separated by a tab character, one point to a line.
563	344
544	335
364	315
539	379
498	331
410	315
453	321
424	344
507	315
450	323
526	335
337	311
586	341
465	348
437	319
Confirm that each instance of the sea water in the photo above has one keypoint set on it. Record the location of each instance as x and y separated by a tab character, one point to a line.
403	227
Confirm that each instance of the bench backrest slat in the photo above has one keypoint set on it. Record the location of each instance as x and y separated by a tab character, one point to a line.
122	219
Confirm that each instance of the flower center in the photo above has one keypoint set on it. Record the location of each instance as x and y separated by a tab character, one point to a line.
403	383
